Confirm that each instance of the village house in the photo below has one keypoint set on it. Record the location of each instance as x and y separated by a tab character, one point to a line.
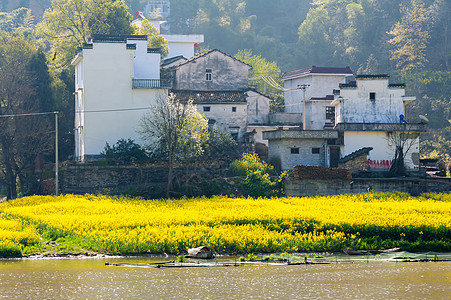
117	79
218	85
362	120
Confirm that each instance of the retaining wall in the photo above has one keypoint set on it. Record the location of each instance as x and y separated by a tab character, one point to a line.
414	186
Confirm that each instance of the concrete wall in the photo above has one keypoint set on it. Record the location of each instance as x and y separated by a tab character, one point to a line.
315	117
227	73
287	119
280	153
414	186
257	108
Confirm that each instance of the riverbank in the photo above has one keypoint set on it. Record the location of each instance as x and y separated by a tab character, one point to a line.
91	225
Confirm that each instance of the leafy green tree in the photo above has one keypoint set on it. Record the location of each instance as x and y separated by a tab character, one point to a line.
410	37
20	20
154	38
315	43
261	69
69	23
438	51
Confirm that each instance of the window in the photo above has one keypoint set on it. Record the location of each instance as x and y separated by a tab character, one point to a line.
315	150
372	96
294	150
330	112
233	108
206	108
208	74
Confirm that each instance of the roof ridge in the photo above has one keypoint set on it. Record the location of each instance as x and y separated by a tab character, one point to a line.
206	53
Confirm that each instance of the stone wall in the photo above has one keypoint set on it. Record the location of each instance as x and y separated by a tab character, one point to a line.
355	165
86	178
414	186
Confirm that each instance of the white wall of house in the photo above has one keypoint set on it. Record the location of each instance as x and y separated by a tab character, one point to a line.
107	108
180	44
320	86
355	105
144	63
315	114
228	117
383	146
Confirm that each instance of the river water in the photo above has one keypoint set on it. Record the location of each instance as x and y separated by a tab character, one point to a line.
91	279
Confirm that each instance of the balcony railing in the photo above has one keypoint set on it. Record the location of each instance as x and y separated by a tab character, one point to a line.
151	84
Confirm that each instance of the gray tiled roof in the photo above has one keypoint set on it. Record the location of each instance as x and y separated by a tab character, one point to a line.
211	96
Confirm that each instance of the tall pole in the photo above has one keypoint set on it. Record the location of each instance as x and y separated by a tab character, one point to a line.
56	155
303	87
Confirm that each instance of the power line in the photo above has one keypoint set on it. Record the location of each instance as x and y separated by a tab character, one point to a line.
113	110
28	114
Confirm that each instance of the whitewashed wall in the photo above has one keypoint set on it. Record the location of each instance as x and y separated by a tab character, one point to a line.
107	108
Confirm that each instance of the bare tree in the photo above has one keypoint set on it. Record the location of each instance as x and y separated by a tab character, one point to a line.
176	128
403	142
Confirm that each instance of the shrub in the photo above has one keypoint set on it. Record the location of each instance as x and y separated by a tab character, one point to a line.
124	151
9	249
250	163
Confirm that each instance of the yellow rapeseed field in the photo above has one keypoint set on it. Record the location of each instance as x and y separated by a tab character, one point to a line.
233	225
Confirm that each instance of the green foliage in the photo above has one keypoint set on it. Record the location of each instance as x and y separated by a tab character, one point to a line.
9	249
124	151
221	145
154	38
258	182
252	257
410	37
250	163
261	68
69	23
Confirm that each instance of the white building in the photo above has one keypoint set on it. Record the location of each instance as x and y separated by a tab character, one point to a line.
367	113
117	80
316	86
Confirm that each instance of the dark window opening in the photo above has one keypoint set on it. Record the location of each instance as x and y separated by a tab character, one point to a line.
315	150
372	96
330	113
208	74
294	150
233	109
206	108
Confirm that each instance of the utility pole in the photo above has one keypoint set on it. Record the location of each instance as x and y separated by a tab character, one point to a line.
56	155
303	87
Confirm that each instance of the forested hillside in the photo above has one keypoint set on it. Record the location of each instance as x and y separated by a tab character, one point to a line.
408	39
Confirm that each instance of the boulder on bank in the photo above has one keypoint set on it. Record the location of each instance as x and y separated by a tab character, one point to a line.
201	252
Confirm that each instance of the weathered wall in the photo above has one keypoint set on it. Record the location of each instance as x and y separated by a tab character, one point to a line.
227	73
414	186
357	164
85	178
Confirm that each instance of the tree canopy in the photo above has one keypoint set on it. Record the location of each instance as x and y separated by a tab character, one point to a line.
69	23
